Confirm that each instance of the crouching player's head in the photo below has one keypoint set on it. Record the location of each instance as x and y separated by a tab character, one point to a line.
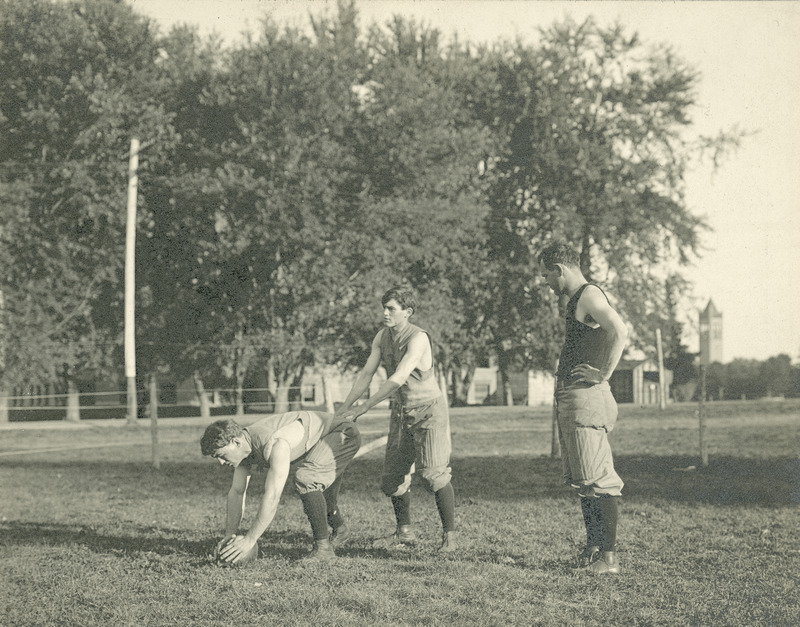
224	440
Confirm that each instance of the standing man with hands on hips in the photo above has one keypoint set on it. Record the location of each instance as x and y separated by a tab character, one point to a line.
419	426
586	410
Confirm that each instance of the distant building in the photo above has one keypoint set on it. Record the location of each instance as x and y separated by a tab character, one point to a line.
637	382
710	335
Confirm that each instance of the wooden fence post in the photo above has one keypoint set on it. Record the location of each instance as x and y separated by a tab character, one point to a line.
154	420
662	379
701	415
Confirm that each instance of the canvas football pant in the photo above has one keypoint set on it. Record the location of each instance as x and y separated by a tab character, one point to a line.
585	417
418	442
327	459
318	476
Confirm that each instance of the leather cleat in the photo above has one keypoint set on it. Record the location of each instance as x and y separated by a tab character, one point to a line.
339	536
403	537
588	556
322	552
449	543
605	564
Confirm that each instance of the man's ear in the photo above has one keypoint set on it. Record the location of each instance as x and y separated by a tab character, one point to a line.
559	268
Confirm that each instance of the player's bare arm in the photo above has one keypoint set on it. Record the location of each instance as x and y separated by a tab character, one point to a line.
594	306
236	500
277	474
364	378
418	350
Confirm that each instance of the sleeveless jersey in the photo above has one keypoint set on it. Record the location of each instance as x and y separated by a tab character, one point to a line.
261	435
421	386
582	344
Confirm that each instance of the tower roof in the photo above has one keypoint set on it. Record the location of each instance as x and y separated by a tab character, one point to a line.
711	310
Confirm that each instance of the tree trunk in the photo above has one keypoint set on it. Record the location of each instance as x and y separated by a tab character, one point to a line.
73	402
202	397
466	382
154	421
555	442
327	393
296	391
3	406
457	388
505	380
282	398
586	256
239	399
508	392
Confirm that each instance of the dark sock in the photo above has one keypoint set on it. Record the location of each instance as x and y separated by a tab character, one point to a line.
402	508
314	507
335	518
446	502
591	519
609	512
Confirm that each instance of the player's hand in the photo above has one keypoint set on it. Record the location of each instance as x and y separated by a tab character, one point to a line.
352	413
585	373
234	548
221	544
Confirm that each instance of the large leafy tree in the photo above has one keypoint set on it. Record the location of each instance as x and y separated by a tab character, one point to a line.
597	147
76	87
261	186
418	144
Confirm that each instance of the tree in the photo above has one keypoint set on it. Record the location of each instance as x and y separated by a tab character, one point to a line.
596	154
417	145
248	226
677	357
776	375
76	86
744	379
716	380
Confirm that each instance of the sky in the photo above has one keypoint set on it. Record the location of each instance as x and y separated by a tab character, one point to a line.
748	58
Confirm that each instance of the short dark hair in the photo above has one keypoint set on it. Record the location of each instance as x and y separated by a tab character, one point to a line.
559	252
218	435
403	295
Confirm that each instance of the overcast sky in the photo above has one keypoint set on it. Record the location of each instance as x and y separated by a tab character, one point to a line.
748	55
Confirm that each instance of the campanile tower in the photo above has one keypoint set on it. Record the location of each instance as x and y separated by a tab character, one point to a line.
710	335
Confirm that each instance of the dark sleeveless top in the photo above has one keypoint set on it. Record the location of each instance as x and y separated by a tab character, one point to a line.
421	386
582	344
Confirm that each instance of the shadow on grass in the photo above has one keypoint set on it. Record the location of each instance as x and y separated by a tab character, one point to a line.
291	546
59	534
725	481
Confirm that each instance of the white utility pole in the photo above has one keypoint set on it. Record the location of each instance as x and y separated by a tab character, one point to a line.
130	282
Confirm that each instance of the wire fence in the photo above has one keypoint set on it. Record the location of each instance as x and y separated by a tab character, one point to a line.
171	401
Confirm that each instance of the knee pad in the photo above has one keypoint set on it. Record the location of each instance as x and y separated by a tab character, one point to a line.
435	479
394	486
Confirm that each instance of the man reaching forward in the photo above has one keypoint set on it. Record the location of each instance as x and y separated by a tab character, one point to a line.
419	426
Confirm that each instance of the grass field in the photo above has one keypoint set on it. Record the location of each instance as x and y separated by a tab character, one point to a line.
92	534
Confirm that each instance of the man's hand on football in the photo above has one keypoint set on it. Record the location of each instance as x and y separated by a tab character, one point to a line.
233	548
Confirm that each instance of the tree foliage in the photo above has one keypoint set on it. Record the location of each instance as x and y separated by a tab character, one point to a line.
285	183
75	90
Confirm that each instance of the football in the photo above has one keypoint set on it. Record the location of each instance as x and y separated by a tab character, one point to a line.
247	558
